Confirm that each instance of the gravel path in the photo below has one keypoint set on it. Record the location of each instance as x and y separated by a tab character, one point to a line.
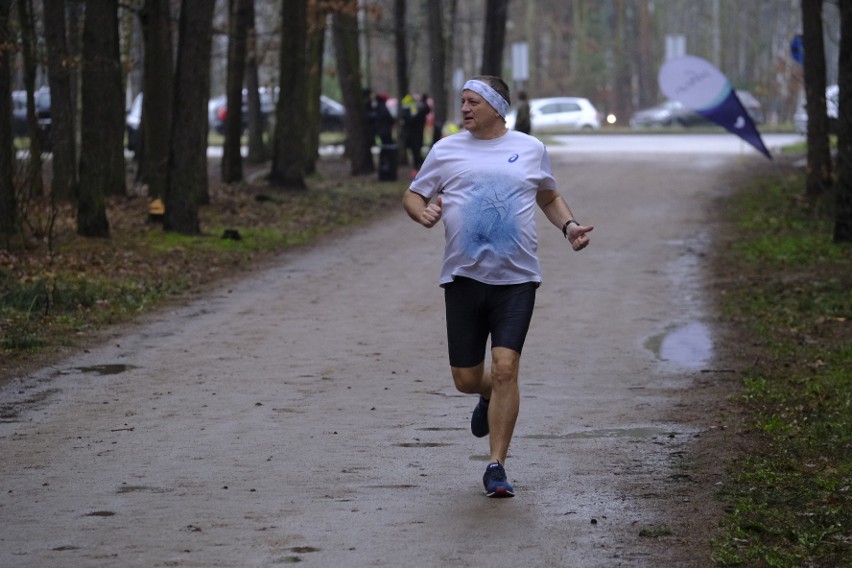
306	412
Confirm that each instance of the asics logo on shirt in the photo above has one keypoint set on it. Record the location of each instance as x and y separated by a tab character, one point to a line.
513	158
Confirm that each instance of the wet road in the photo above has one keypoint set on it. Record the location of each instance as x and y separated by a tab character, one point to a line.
306	413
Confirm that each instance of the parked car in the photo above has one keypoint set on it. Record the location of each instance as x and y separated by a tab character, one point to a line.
832	107
220	109
19	115
331	111
667	113
133	122
673	113
332	114
559	114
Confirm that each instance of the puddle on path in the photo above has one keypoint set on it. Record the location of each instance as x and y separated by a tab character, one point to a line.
109	369
687	345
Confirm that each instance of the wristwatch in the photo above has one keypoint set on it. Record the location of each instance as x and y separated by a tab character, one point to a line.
565	226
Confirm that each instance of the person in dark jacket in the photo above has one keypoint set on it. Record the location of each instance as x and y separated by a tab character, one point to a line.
414	114
383	119
522	118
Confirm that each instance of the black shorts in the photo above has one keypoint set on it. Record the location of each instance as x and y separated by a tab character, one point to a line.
476	310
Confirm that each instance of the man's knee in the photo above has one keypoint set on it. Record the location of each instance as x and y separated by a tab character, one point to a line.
504	367
468	379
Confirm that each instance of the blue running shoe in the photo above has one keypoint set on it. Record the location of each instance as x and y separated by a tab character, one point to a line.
495	481
479	420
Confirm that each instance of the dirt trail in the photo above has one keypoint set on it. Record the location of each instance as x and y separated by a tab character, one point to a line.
306	412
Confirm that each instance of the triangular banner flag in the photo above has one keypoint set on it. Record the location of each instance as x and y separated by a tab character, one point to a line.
699	86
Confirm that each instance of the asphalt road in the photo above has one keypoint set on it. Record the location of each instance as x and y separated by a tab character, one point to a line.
306	413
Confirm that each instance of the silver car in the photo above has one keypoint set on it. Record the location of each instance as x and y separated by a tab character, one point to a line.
674	113
560	114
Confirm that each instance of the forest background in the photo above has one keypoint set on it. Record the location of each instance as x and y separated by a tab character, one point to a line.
79	252
96	56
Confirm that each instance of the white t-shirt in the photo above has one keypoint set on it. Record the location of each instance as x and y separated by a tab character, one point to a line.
488	190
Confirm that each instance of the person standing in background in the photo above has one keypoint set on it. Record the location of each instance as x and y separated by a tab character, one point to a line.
384	121
414	114
522	118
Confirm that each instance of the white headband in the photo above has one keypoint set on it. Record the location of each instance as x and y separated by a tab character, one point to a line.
488	93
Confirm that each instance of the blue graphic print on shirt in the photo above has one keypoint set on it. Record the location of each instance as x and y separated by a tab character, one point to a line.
490	216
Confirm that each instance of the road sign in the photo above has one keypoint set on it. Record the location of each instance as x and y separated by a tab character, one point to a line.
520	61
797	49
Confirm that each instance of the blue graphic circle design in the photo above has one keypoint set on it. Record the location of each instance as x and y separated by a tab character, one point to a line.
513	158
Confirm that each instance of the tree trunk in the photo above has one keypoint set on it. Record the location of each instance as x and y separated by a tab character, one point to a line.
8	204
257	126
158	97
843	219
495	37
647	86
62	115
437	66
316	47
819	157
622	79
345	32
27	24
238	24
102	167
187	187
290	140
401	41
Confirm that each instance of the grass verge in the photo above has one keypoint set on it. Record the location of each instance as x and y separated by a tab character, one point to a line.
788	296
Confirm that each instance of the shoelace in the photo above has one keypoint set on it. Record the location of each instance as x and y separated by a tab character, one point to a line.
496	472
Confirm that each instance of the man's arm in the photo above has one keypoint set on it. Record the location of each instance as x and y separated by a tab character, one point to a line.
557	212
420	210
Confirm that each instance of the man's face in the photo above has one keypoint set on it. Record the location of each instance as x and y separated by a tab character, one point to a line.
477	114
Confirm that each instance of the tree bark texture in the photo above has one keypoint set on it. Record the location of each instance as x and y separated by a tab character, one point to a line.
290	143
843	219
345	33
646	85
187	188
238	25
62	101
35	181
402	82
158	96
102	167
819	156
496	13
257	125
437	65
316	46
8	203
622	104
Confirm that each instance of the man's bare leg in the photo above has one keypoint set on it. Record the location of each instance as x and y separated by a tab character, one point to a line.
500	386
505	400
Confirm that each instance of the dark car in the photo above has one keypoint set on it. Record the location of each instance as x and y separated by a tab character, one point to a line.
19	115
331	111
332	114
218	109
673	113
